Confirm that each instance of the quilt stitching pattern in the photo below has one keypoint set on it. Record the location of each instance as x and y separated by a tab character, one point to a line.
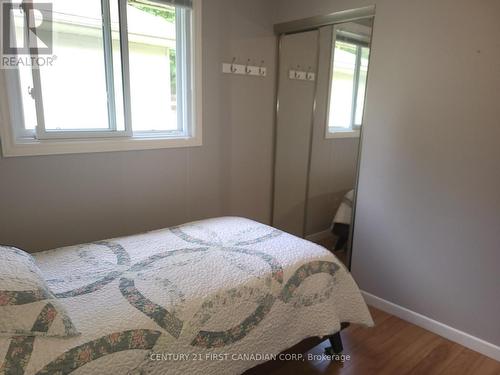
200	243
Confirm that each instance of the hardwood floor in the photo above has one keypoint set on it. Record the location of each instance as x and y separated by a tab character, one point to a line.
393	346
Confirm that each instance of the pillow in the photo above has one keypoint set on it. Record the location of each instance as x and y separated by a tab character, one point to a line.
27	306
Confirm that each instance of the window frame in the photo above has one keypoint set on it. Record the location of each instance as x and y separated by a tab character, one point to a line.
17	141
41	131
354	129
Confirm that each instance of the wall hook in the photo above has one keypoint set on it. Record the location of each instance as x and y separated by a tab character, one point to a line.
310	74
261	70
297	71
247	69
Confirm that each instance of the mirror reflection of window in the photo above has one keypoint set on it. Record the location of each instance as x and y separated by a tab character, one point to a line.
349	71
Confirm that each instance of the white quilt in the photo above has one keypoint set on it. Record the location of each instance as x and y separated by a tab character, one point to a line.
188	300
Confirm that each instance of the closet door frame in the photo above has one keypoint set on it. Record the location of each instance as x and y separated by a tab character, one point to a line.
302	25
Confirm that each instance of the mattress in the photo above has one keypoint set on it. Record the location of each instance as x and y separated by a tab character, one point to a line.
216	296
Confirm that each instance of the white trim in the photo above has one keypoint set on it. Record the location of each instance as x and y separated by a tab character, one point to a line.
107	39
329	134
55	147
12	146
125	66
341	134
197	130
319	236
450	333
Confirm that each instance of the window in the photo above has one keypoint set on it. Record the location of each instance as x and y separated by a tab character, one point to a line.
123	76
349	71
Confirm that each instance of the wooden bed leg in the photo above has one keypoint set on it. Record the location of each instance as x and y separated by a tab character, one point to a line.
336	342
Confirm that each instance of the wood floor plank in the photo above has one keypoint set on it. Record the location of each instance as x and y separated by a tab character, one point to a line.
408	358
488	366
371	357
465	363
437	359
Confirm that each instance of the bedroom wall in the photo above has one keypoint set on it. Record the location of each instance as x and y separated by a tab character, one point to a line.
51	201
248	105
426	235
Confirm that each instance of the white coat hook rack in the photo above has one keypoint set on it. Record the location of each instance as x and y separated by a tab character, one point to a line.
244	69
302	75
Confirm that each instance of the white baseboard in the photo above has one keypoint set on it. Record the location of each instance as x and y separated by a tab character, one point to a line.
323	235
438	328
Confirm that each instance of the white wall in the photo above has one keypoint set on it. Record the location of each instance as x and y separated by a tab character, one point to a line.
427	223
52	201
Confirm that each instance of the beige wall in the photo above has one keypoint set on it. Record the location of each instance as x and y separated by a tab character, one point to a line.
426	234
51	201
246	107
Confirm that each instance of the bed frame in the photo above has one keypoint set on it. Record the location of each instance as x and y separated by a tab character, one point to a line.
302	347
336	342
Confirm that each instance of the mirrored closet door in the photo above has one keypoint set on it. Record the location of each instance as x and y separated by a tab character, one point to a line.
323	73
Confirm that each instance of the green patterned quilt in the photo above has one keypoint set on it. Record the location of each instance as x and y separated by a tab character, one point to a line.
216	296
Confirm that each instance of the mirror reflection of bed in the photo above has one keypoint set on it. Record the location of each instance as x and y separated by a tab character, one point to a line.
338	238
319	130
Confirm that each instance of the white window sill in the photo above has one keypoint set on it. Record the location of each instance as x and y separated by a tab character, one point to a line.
80	146
342	134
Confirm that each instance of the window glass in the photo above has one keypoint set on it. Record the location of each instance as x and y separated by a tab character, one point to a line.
152	50
74	88
342	85
25	76
26	82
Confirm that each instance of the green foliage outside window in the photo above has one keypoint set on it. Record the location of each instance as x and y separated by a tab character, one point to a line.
166	12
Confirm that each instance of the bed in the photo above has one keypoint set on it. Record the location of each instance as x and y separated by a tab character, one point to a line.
216	296
341	223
